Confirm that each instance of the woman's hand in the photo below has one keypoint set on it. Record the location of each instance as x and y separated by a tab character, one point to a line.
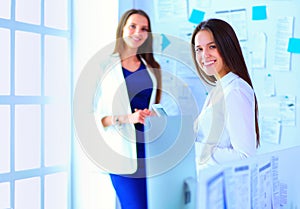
139	116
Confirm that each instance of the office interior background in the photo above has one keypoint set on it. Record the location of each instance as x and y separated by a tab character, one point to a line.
45	44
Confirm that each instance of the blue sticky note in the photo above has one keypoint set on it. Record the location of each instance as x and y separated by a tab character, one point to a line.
259	12
294	45
197	16
165	42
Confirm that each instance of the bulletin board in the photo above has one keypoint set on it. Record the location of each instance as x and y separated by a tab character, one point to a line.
269	34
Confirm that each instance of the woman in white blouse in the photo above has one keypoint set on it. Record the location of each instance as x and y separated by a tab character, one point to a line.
227	127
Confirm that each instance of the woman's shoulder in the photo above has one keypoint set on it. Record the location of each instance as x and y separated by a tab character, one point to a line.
237	86
243	85
240	89
107	61
236	82
110	59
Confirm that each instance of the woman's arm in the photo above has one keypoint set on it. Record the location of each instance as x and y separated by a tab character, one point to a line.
240	124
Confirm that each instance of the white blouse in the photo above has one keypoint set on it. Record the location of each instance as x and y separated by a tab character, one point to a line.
226	125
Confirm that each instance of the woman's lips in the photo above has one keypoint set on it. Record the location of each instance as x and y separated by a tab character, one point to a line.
206	63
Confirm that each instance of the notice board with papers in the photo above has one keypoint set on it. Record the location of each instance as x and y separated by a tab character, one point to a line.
269	34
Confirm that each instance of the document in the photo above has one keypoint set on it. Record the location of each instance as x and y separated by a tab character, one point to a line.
254	185
259	51
199	4
288	110
216	192
270	130
243	189
269	85
238	185
280	106
166	10
284	32
276	183
265	186
238	19
283	194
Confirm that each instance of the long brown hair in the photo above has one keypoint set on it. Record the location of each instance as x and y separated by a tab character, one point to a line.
145	50
230	50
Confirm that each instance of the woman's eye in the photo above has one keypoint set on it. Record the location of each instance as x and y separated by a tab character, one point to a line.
198	50
132	26
212	46
145	29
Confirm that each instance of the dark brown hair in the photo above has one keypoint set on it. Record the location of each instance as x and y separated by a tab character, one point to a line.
145	50
230	50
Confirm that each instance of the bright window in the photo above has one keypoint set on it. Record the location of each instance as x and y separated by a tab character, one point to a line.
35	104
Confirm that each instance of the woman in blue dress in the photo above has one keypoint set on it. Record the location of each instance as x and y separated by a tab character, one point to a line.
132	83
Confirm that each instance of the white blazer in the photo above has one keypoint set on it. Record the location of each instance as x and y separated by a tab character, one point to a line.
113	99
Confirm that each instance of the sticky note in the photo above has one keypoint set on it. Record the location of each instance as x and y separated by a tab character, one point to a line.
196	16
294	45
165	42
259	12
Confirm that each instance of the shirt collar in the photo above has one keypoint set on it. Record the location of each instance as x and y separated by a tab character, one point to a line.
228	78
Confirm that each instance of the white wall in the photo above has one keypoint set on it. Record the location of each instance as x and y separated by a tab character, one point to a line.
95	23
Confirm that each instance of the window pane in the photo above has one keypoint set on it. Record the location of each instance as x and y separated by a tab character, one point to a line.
28	193
5	9
60	9
57	134
5	139
28	64
56	191
4	61
28	11
5	195
27	137
57	71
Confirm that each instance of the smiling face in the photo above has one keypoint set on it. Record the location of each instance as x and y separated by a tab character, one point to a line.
208	56
135	31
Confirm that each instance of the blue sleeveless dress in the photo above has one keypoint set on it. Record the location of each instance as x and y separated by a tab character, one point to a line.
132	189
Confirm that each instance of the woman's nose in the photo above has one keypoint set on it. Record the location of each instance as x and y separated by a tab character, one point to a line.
138	30
205	53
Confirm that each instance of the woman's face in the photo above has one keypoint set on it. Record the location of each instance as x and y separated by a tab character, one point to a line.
135	31
208	56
